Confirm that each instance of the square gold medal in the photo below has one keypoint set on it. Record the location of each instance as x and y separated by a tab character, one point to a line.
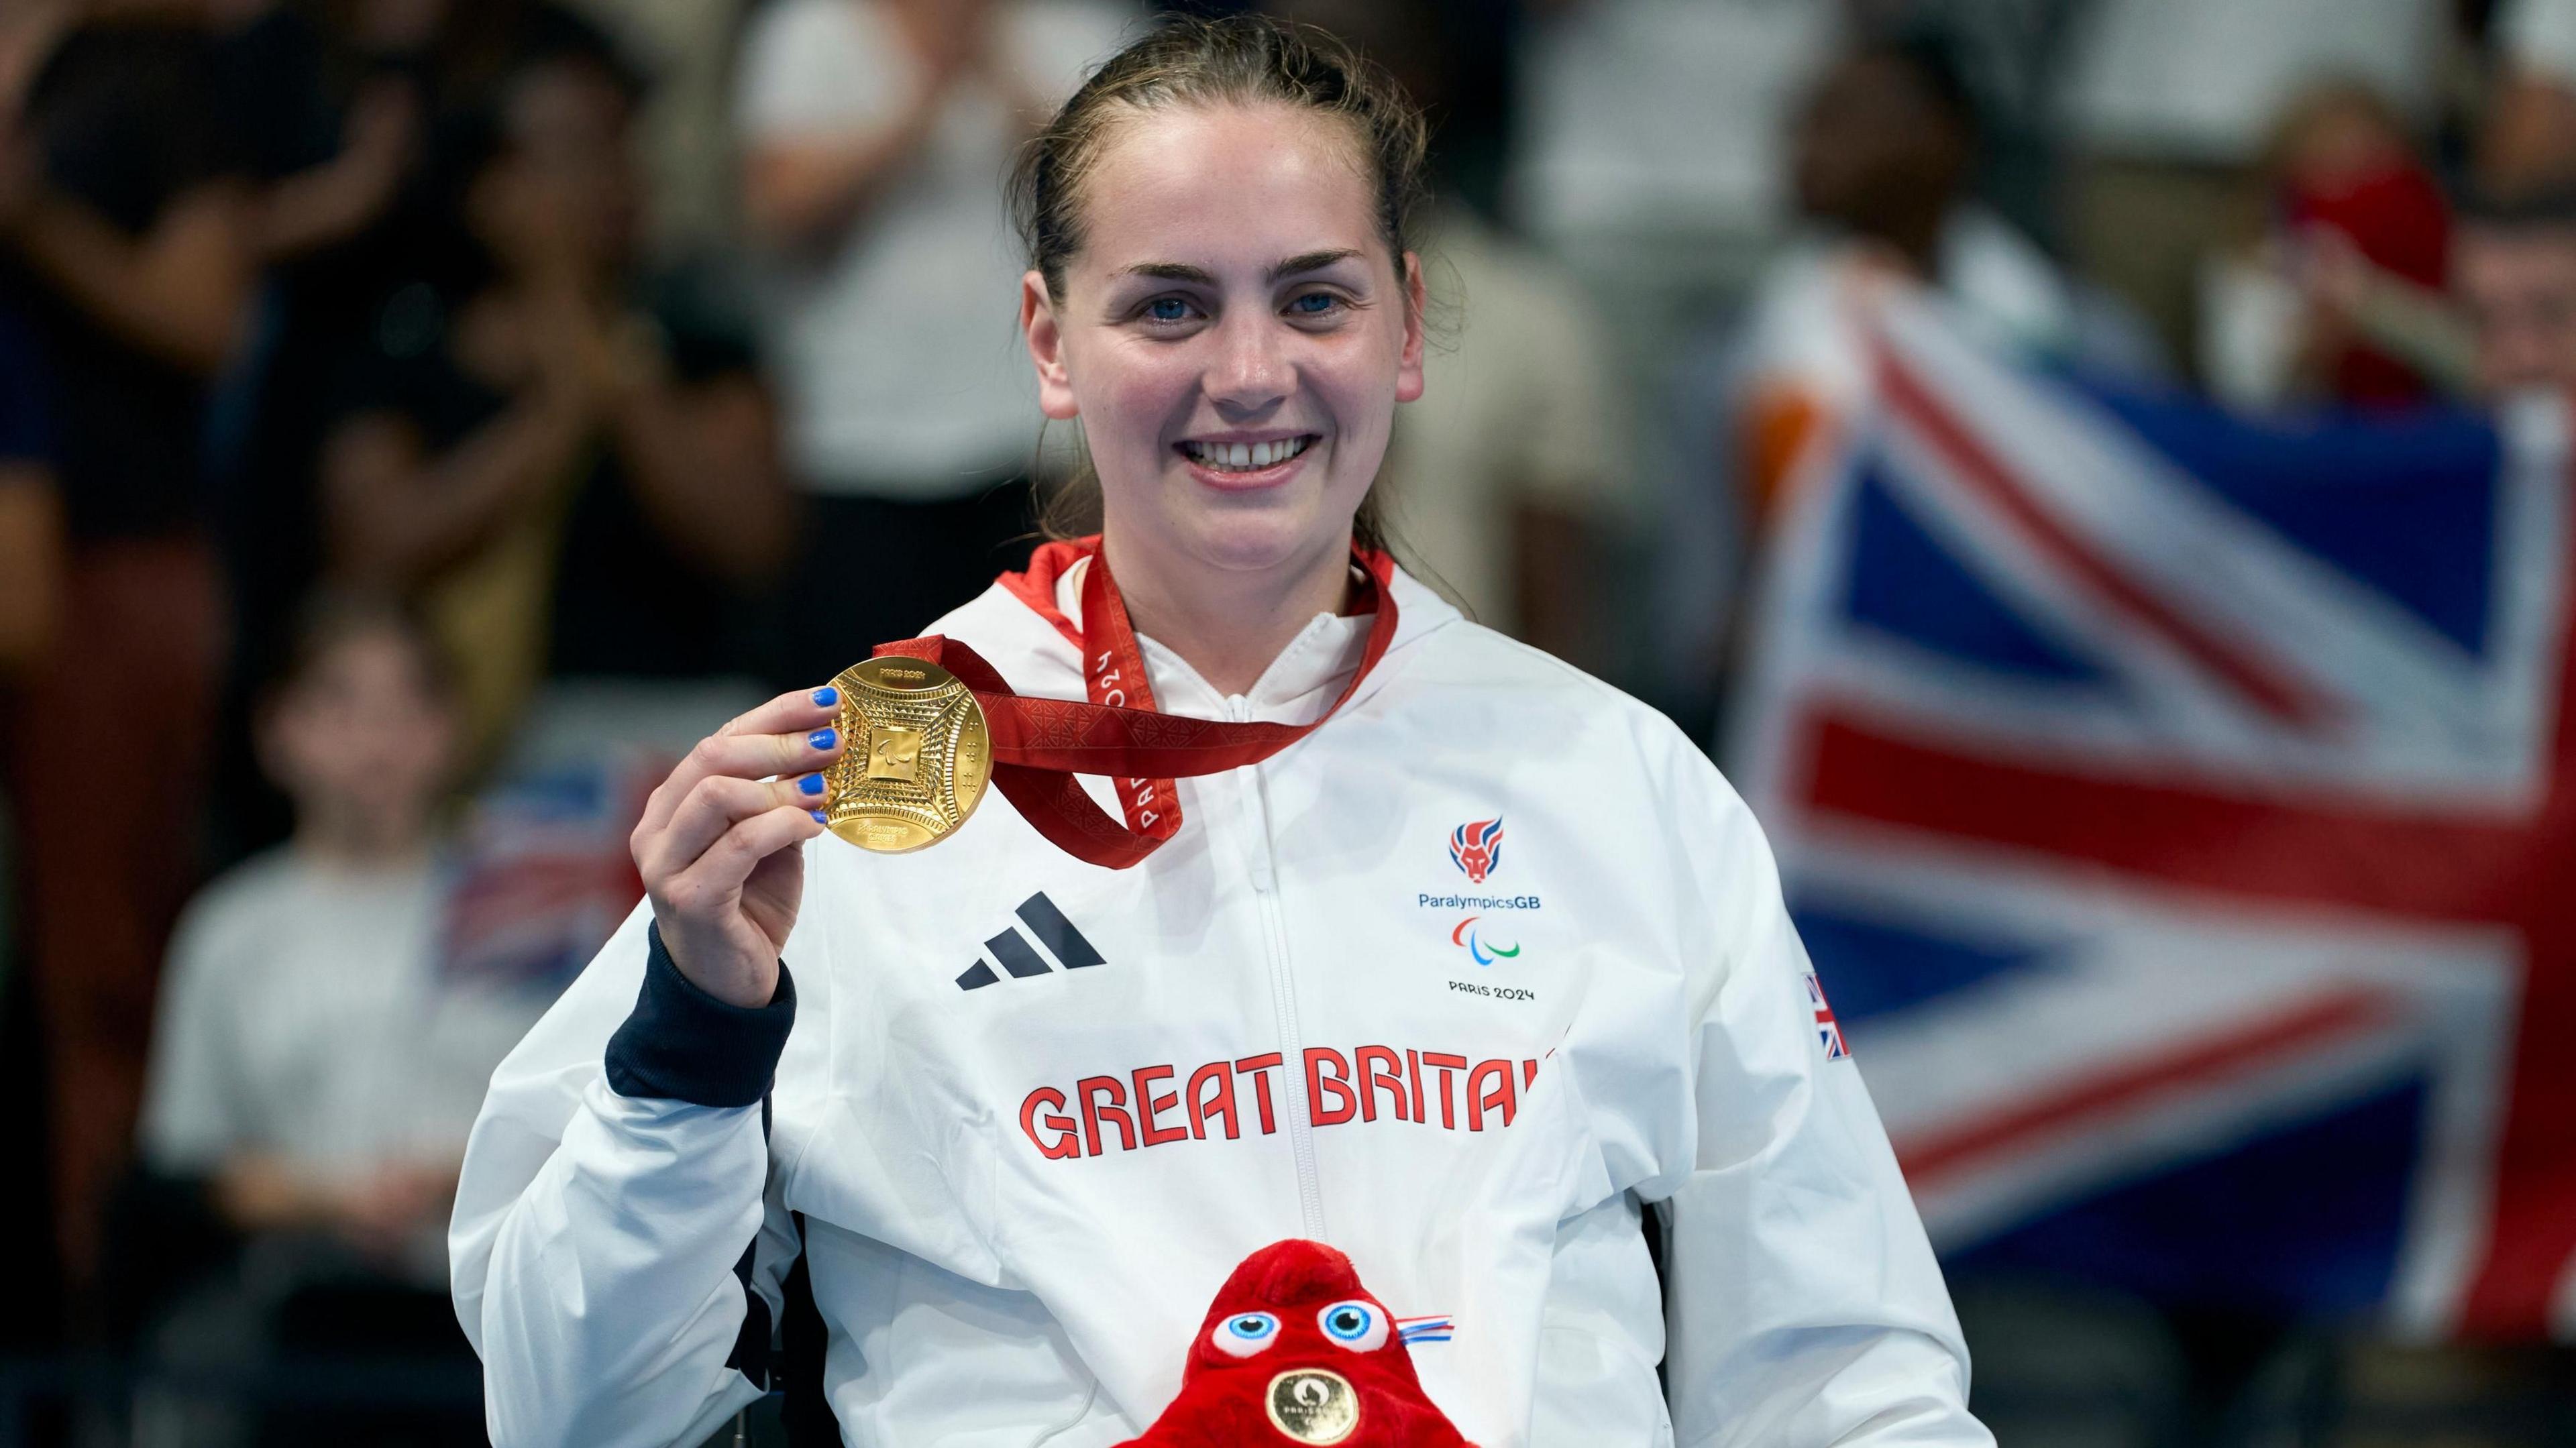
920	759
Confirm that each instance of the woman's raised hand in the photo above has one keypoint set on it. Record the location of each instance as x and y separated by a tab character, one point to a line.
717	844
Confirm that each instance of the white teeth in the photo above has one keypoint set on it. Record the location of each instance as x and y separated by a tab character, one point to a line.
1246	457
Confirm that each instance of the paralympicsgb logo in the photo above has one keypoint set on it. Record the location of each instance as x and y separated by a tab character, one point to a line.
1477	848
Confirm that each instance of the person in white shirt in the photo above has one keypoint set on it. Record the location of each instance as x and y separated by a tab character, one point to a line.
1884	163
1460	961
874	135
1883	158
286	1066
313	1070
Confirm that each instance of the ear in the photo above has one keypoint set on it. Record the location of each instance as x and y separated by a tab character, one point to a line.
1046	349
1408	371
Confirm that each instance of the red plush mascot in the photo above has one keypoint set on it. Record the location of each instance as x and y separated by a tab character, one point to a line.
1294	1350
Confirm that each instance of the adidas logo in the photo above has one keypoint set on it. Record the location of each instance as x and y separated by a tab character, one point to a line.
1041	919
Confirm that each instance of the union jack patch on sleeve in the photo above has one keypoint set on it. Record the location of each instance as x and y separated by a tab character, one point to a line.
1827	1032
1423	1329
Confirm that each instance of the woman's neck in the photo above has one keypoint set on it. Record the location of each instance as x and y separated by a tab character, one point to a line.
1227	625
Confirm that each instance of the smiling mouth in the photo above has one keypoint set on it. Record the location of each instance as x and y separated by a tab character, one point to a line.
1245	457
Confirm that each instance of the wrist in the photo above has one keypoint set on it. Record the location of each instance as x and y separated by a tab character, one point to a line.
738	985
682	1043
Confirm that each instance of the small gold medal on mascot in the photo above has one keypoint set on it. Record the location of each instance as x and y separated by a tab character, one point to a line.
918	756
1312	1405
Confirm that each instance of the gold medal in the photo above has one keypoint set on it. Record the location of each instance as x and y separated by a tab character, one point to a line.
1312	1405
918	756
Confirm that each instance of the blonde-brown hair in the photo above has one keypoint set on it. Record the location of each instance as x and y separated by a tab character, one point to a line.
1242	60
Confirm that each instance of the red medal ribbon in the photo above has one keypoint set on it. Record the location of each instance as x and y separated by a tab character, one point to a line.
1040	744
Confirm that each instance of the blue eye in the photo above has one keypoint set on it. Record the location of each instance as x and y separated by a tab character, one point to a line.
1168	309
1358	1326
1314	304
1244	1334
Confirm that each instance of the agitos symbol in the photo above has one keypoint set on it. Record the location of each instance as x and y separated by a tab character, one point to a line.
1475	946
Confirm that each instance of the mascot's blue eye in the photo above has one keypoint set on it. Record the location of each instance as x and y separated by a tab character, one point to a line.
1358	1326
1245	1333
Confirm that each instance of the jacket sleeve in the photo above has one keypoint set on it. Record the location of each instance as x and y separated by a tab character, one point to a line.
1805	1307
618	1244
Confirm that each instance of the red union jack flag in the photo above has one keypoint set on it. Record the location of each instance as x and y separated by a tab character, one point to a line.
2183	810
543	874
1829	1034
1437	1328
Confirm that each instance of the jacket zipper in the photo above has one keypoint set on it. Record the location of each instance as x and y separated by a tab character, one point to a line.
1283	994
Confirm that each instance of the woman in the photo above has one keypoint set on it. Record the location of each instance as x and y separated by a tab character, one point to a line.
1456	981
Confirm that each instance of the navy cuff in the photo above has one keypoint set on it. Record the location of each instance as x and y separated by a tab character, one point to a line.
682	1044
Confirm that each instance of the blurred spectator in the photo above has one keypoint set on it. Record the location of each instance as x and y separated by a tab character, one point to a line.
285	1067
2515	271
573	469
1510	480
332	164
126	244
2171	102
335	100
313	1077
687	46
1884	154
1884	157
875	136
1650	164
2341	299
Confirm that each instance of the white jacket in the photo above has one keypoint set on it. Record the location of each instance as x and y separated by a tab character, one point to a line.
1030	1136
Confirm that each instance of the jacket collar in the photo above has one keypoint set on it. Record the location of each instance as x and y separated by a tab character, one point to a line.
1299	684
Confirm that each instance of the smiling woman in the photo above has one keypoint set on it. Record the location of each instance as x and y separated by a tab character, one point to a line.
1054	1076
1226	334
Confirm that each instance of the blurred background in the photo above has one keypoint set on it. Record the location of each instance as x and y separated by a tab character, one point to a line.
2093	471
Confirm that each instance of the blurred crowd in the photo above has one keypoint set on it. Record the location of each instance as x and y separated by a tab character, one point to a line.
413	413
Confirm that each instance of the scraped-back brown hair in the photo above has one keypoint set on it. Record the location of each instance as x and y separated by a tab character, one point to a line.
1242	60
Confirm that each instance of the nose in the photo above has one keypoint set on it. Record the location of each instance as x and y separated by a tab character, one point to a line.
1251	371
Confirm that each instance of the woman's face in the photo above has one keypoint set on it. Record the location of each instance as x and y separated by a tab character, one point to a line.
1234	336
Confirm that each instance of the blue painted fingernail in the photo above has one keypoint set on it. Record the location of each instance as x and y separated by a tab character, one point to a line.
811	784
826	696
818	816
822	739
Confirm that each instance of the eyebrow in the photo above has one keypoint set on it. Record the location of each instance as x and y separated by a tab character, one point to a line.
1298	265
1310	261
